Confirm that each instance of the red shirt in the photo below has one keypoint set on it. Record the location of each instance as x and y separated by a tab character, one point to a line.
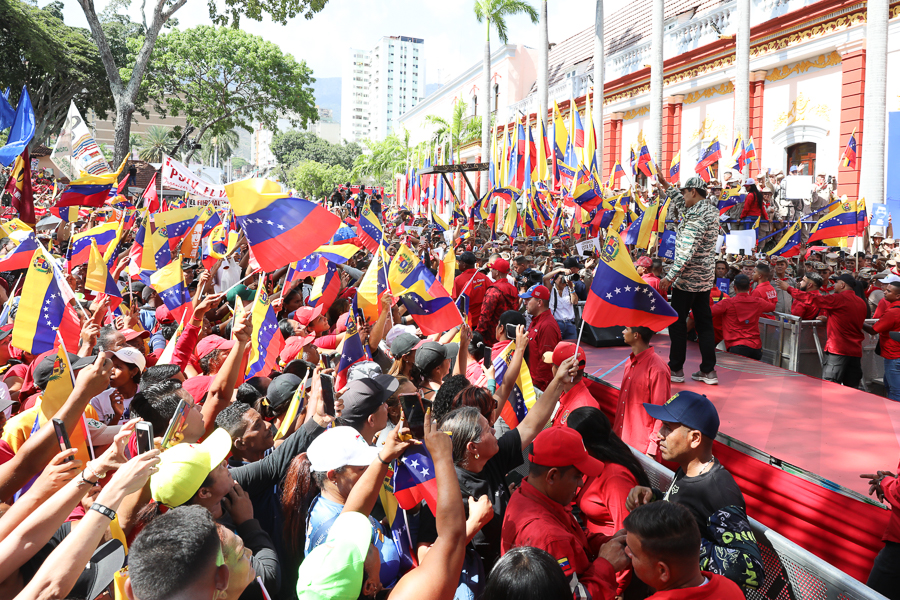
475	291
765	291
715	296
805	310
890	321
753	206
543	336
577	397
846	314
652	279
740	318
891	487
533	519
647	378
717	588
880	309
498	298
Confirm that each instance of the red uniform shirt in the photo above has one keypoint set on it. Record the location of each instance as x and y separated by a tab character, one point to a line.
889	321
846	314
715	296
533	519
765	291
543	336
652	279
880	309
740	318
474	290
805	310
717	588
647	378
498	298
577	397
891	487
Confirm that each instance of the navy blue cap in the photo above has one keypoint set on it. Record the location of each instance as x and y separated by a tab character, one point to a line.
690	409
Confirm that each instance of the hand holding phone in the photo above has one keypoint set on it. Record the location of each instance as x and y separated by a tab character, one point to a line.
62	437
327	383
143	431
413	414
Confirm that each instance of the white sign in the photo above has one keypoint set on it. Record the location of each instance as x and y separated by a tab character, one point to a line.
738	242
75	150
591	245
798	187
178	177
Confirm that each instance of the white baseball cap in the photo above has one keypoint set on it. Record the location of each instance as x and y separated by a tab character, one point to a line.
890	279
132	356
340	447
749	181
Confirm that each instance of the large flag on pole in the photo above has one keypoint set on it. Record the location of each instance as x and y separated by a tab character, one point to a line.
19	187
266	342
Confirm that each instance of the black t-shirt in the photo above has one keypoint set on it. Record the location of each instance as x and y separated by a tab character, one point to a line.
491	481
706	493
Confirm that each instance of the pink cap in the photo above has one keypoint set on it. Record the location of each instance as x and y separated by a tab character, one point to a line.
212	342
293	347
307	314
198	386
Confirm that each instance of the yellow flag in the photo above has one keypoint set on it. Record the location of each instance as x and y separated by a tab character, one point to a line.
59	386
541	171
293	409
447	270
367	293
95	278
403	264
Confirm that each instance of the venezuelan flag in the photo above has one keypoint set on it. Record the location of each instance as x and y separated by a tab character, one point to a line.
789	244
99	279
68	214
447	269
43	308
211	219
279	229
675	166
20	257
712	154
638	233
140	257
619	296
266	342
353	349
588	195
78	194
337	254
862	216
326	288
373	286
177	223
848	157
730	197
168	282
406	269
839	222
615	176
311	266
432	309
80	248
522	397
370	230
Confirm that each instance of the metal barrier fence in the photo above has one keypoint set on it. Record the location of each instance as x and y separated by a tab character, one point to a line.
792	573
799	346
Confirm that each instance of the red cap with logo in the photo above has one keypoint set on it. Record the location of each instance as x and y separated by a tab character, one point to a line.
501	265
563	447
307	314
563	351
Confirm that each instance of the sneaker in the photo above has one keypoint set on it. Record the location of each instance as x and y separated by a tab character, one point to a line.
709	378
678	376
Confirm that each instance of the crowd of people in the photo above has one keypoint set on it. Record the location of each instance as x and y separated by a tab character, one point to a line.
280	486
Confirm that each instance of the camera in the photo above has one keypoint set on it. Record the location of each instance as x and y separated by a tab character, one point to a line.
573	277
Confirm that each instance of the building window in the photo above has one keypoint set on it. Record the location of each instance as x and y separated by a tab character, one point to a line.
802	155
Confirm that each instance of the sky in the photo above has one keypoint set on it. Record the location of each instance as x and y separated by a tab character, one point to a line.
454	40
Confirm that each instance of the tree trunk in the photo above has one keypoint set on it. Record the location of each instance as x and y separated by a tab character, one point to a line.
542	70
874	120
599	67
124	111
654	143
486	102
742	76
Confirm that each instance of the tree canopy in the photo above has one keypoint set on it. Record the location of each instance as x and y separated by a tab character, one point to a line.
316	180
292	146
384	159
221	78
58	63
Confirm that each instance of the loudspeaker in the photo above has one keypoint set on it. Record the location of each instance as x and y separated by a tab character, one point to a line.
603	337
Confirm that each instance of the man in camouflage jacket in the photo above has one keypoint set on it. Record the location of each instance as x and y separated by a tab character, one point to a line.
693	276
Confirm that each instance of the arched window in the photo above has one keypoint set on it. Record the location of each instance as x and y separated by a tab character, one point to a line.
803	155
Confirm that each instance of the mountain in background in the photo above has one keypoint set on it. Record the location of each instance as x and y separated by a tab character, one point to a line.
430	88
327	91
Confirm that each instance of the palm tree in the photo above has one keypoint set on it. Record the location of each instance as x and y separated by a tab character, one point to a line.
543	61
382	160
495	12
218	148
599	64
742	74
155	143
457	130
873	143
656	79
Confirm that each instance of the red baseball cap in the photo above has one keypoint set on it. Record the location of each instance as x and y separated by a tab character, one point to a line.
307	314
213	342
341	325
164	315
293	347
500	265
131	334
197	387
563	447
563	351
643	261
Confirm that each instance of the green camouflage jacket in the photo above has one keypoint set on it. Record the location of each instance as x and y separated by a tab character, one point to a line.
694	269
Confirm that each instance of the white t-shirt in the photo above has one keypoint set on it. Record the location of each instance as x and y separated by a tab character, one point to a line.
103	405
561	304
227	275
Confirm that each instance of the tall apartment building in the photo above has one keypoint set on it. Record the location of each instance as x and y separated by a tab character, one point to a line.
379	85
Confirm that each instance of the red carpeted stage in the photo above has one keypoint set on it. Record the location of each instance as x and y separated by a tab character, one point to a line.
827	429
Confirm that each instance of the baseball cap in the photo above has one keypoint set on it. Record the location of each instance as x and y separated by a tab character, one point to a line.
695	183
749	181
429	354
563	351
282	389
212	342
363	370
164	315
334	569
536	291
132	356
197	386
501	265
183	468
889	278
239	291
131	334
340	447
100	570
645	261
44	370
563	447
363	397
307	314
403	344
690	409
572	263
293	346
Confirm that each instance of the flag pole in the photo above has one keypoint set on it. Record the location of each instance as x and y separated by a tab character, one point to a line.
239	282
87	431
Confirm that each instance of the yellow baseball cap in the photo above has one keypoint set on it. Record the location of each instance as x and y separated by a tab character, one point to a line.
183	468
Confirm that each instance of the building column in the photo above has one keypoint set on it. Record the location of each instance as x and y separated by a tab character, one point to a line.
612	142
671	131
853	81
757	87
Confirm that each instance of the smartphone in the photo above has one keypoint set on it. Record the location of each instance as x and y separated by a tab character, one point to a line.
62	437
487	356
327	360
327	383
511	331
413	414
176	424
143	431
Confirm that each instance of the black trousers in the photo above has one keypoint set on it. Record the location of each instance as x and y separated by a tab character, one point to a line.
684	303
885	575
846	370
754	353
